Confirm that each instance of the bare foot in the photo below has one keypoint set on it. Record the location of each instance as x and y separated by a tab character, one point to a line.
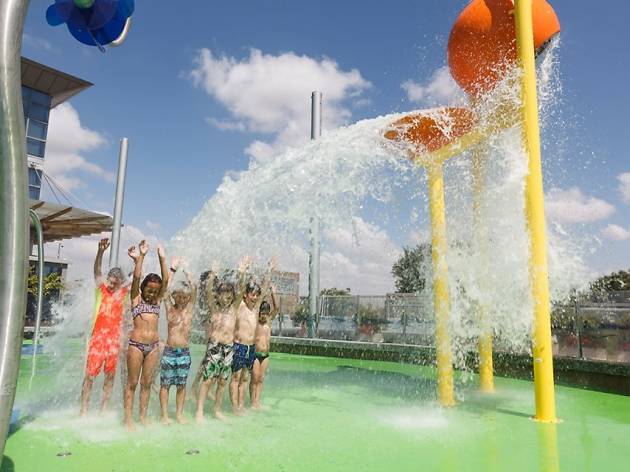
256	407
145	421
239	412
220	416
166	420
130	426
199	418
182	420
83	412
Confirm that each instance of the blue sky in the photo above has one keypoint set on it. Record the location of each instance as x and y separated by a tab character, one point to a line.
180	148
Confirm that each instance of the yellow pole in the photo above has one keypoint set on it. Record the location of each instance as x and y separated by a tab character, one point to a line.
486	377
440	285
535	213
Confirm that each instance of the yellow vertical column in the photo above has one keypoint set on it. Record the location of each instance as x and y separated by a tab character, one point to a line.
440	284
486	376
535	213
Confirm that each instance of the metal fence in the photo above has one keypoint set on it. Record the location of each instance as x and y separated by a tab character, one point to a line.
598	331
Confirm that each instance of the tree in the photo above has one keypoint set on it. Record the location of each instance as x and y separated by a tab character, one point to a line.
613	282
411	270
334	291
52	282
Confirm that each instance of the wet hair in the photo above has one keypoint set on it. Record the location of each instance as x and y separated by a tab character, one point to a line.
150	278
264	308
226	287
252	287
116	273
182	287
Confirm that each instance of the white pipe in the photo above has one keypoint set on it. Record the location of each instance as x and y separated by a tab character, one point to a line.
118	205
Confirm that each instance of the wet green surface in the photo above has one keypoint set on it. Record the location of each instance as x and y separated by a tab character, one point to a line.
325	415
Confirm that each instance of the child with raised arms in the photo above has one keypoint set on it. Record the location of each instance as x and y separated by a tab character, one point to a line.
175	363
142	351
216	364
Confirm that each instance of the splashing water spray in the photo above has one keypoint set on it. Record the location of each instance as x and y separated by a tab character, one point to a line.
484	45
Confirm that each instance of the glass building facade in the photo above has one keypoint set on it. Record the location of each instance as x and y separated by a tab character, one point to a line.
36	112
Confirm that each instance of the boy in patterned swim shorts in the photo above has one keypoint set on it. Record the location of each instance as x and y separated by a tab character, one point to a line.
176	356
217	362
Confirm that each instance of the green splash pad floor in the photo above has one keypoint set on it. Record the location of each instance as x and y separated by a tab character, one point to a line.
324	414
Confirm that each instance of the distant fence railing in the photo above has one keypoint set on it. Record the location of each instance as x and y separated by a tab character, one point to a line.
598	331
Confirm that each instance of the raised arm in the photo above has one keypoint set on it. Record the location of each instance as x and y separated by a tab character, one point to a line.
264	288
210	301
274	301
103	244
193	288
138	259
164	270
242	274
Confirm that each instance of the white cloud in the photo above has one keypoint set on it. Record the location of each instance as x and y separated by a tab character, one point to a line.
441	89
624	186
80	252
616	233
226	125
37	43
270	94
572	206
360	258
153	226
67	140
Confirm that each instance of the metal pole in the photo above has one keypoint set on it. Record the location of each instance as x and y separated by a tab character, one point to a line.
118	205
14	243
313	259
535	213
37	224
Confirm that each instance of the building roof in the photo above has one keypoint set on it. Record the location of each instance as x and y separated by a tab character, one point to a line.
59	85
64	221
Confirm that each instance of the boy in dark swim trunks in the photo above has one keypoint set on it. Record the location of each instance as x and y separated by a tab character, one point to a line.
266	314
176	356
219	352
244	337
105	340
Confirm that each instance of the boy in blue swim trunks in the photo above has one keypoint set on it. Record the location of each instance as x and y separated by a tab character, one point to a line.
176	356
244	341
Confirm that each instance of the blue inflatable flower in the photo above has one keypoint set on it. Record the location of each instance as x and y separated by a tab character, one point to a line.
93	22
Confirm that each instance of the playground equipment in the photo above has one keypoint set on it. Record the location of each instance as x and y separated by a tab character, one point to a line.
485	43
93	22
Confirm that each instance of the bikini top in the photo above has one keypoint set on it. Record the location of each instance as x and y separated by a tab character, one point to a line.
144	307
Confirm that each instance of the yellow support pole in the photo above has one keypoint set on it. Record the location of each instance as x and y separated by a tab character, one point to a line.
486	376
535	213
440	284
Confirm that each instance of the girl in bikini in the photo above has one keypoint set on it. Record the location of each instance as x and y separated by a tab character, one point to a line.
143	353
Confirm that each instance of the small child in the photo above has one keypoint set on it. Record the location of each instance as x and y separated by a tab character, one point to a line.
176	356
266	314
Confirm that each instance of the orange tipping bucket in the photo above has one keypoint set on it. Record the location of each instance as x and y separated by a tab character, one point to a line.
482	43
431	130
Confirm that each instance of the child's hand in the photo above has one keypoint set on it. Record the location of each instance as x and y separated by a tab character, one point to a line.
176	262
244	264
131	252
144	247
160	251
103	244
272	264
